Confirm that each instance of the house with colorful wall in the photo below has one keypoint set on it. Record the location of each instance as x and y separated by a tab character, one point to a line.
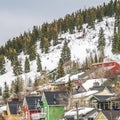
108	115
54	104
103	90
105	102
111	68
84	98
14	110
30	107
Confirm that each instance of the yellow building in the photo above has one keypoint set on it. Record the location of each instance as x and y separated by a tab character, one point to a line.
14	110
101	116
83	99
108	115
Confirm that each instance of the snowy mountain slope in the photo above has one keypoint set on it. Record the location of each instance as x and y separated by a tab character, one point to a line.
81	47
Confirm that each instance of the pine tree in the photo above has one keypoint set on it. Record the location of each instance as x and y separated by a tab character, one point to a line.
117	9
69	88
96	59
2	65
92	17
11	53
91	58
27	65
46	45
39	66
35	33
114	43
69	85
12	89
99	14
18	85
6	93
60	72
55	38
79	21
66	53
54	33
17	68
101	40
116	39
42	42
32	52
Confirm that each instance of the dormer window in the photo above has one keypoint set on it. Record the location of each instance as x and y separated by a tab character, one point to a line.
39	104
19	109
54	99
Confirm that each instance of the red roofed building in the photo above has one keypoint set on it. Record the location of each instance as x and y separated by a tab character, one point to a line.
111	68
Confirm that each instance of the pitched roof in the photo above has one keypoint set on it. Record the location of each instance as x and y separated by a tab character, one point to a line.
32	101
56	97
83	75
102	97
101	88
83	112
85	94
79	89
98	88
111	114
13	106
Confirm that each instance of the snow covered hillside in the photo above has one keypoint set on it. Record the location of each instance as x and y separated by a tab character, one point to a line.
81	47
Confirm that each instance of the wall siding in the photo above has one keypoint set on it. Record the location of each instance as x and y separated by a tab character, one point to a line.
56	112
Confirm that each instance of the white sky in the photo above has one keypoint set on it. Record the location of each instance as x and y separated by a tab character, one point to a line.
17	16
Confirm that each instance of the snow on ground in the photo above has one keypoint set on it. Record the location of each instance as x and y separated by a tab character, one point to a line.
8	78
80	49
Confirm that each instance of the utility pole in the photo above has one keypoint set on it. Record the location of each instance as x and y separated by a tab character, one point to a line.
77	111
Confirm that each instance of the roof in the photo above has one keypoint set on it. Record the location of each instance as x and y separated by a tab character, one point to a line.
85	94
32	101
98	88
102	97
56	97
91	82
13	106
102	63
101	88
111	114
3	108
80	111
83	75
79	89
83	112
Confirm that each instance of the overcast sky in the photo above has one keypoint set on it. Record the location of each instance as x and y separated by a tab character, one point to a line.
17	16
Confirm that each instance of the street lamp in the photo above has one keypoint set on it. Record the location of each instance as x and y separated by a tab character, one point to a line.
76	117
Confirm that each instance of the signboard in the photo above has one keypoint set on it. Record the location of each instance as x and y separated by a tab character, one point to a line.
36	116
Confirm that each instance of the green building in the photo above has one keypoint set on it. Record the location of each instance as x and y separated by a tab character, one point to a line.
54	104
